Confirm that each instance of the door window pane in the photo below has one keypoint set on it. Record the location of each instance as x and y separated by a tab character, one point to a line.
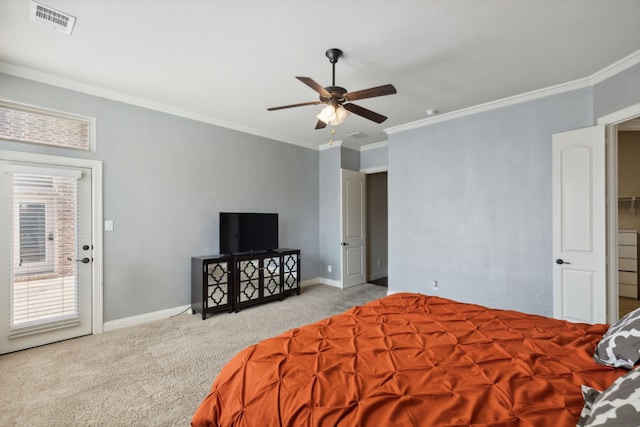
33	232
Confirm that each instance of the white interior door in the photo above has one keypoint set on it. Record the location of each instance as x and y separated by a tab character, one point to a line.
46	254
353	228
579	225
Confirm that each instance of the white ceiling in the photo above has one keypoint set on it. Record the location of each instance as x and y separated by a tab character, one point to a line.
225	62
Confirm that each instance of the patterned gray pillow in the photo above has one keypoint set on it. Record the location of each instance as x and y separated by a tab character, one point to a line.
620	346
590	395
619	405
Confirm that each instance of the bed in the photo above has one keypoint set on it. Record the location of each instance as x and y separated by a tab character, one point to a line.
415	360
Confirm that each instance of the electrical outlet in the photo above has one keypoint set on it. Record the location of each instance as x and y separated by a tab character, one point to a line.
379	262
436	285
329	268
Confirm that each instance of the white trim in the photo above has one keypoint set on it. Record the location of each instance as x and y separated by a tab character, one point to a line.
616	117
375	145
309	282
322	281
375	169
611	121
328	145
90	121
615	68
631	125
144	318
595	78
38	76
169	312
605	73
492	105
37	170
611	222
96	200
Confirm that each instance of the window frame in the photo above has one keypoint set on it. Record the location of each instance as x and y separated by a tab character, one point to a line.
41	111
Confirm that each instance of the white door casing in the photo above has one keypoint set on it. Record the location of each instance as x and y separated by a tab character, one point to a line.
353	228
91	194
612	121
579	225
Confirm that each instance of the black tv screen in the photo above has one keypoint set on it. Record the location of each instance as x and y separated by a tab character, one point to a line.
246	232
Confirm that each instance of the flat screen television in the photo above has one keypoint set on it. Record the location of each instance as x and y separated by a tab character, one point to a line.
248	232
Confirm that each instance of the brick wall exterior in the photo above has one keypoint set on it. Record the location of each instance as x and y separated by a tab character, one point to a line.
40	128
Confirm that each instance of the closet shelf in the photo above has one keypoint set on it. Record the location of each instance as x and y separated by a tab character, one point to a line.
633	200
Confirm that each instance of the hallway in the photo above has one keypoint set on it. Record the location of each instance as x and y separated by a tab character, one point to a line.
627	305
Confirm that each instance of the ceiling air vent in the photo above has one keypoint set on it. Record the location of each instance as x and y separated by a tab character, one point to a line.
357	135
52	18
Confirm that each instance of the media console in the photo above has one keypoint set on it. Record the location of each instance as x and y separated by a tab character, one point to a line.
230	282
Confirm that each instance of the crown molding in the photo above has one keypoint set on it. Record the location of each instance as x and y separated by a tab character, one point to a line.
492	105
70	84
375	145
616	68
329	145
597	77
113	95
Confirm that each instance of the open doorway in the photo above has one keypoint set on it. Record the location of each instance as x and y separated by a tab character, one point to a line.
628	218
377	220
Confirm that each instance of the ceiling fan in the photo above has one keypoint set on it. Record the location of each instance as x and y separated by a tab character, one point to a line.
338	100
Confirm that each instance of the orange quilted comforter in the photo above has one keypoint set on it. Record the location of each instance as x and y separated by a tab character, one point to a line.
412	360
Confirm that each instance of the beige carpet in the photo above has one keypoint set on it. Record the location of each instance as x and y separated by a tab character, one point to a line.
154	374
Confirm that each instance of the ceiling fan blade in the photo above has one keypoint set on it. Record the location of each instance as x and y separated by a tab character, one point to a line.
294	105
321	125
371	92
367	114
315	86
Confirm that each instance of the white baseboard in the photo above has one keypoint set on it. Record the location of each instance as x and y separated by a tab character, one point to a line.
143	318
322	281
163	314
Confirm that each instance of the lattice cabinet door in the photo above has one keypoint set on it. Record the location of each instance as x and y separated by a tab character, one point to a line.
290	271
258	279
211	284
248	280
272	278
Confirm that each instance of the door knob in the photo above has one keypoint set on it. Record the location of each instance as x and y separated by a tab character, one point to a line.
84	260
344	244
561	261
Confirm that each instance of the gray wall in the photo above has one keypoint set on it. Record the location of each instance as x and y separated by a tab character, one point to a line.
332	159
349	159
373	158
330	234
617	92
470	198
166	179
470	203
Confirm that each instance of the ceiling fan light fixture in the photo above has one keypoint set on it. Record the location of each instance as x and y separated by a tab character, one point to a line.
335	96
328	114
341	115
